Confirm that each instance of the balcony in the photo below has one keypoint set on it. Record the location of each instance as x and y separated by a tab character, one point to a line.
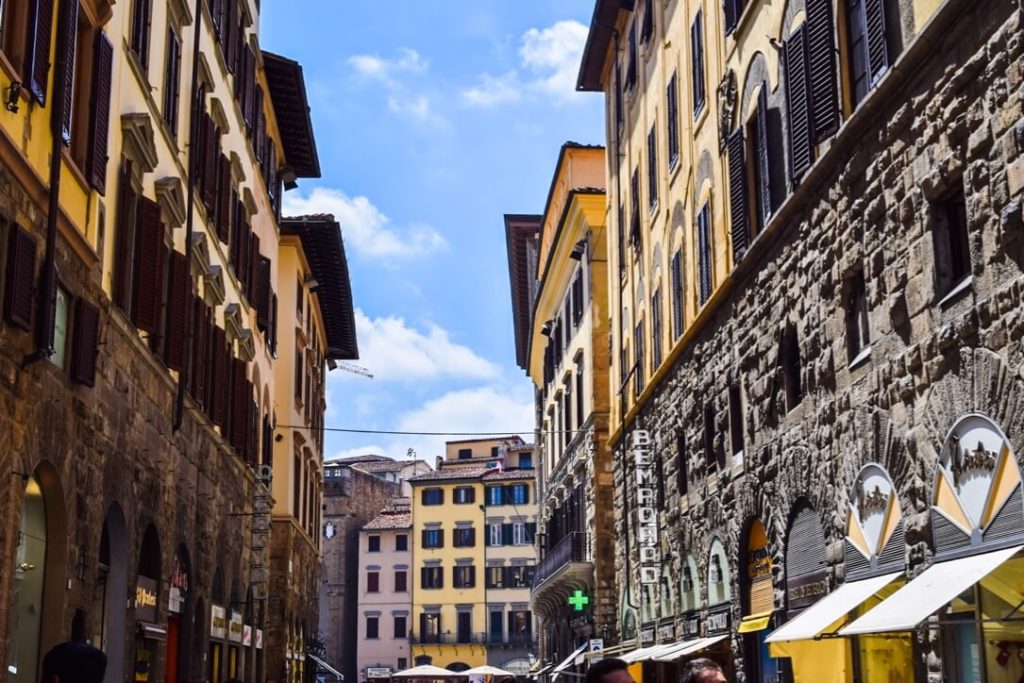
449	638
571	549
499	640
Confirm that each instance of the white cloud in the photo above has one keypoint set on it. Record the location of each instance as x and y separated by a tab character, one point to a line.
393	73
366	229
396	352
549	62
385	70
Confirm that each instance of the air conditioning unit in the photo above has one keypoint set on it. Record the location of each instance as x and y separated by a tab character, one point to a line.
265	473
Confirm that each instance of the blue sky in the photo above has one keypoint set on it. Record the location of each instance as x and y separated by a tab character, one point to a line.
433	119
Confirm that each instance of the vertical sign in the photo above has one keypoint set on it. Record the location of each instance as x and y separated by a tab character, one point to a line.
647	515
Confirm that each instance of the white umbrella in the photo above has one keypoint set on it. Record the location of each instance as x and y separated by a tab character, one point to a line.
487	670
427	671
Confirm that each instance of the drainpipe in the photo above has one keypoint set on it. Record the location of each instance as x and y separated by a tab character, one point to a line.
47	300
193	163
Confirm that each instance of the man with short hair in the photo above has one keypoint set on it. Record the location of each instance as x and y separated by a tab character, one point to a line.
609	670
703	670
74	662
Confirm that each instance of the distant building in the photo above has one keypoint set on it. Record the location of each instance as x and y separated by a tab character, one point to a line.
388	469
474	524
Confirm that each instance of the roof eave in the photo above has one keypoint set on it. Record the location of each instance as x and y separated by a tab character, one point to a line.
595	52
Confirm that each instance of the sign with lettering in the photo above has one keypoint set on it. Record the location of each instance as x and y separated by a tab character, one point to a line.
259	639
218	622
646	513
689	626
378	672
717	623
646	636
235	628
666	633
247	636
804	591
145	599
520	666
179	585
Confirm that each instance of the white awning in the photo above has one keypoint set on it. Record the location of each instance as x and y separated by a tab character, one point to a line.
815	619
641	654
688	647
324	665
937	586
569	660
539	672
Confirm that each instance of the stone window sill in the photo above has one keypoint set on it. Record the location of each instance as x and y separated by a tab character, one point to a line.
860	358
955	293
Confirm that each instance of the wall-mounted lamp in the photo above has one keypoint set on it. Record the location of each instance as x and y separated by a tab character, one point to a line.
577	251
312	283
546	328
13	95
288	178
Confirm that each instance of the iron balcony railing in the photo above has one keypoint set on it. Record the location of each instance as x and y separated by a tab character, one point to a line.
449	638
572	548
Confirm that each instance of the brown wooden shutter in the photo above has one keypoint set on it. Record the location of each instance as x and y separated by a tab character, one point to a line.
125	238
178	299
797	104
200	328
86	342
217	16
147	282
732	14
261	291
246	97
99	125
822	65
738	195
70	13
260	133
37	62
210	151
764	178
224	200
250	273
273	324
239	405
20	281
251	422
230	34
220	356
874	29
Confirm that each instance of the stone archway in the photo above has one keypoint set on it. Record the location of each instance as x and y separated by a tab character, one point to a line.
114	587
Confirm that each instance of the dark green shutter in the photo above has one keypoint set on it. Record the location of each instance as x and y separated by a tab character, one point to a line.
99	126
738	195
821	52
798	104
874	28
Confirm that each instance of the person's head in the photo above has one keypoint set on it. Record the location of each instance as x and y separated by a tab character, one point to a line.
703	670
76	662
609	670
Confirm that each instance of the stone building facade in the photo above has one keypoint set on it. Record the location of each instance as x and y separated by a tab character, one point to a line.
875	313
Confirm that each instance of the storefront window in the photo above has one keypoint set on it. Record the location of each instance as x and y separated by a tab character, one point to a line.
719	578
1002	631
689	588
887	657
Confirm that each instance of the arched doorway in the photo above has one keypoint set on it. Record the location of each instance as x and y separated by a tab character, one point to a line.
758	604
148	631
35	617
235	627
114	587
218	627
179	617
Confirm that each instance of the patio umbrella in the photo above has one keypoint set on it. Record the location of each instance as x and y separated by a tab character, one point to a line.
487	670
427	671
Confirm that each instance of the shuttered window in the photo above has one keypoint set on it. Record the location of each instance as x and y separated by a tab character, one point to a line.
261	292
210	152
147	280
739	213
704	253
86	342
762	160
224	198
697	61
647	29
273	325
634	226
40	33
621	246
141	12
172	81
733	10
99	126
677	295
127	215
822	64
20	277
219	357
239	406
230	31
178	308
70	48
652	168
638	358
200	346
631	58
656	330
253	264
672	112
798	104
867	54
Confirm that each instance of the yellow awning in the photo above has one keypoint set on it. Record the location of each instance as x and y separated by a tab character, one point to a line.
755	623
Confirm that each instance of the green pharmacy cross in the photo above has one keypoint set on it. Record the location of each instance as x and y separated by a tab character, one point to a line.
578	600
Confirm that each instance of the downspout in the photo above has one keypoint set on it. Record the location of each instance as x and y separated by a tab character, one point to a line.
47	302
185	374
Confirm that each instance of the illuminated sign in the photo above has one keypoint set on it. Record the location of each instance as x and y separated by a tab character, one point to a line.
145	599
646	514
579	601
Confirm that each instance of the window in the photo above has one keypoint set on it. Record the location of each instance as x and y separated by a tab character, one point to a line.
401	581
733	11
526	460
951	242
520	576
634	226
579	397
710	461
496	632
520	627
464	577
401	628
638	358
430	627
372	628
647	28
495	495
373	544
432	577
495	577
855	304
672	112
750	199
677	295
433	497
697	62
433	538
519	494
656	330
464	627
621	246
567	411
631	59
798	103
518	533
867	56
464	495
652	169
736	421
172	81
464	538
790	359
465	453
682	466
140	31
704	254
14	34
495	451
402	542
373	582
403	663
494	535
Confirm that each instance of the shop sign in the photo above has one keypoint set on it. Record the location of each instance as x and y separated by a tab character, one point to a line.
218	622
580	622
759	570
689	626
647	515
646	636
717	623
247	636
378	672
520	667
145	600
235	628
179	586
804	591
666	632
259	639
